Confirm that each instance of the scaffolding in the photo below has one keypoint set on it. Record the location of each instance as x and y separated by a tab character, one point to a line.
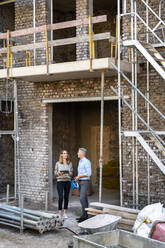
14	134
154	38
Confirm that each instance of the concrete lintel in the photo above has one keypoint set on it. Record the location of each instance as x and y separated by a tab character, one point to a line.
81	99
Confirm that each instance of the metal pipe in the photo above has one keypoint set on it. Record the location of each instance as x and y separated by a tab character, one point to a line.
35	212
9	224
46	201
7	194
124	6
10	198
101	134
22	218
90	42
148	106
160	8
18	213
136	109
51	33
119	102
34	26
16	144
17	218
133	104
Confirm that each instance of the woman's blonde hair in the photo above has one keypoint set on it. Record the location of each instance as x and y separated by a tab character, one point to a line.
61	157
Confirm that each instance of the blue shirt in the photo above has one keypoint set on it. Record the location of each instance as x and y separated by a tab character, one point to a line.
84	168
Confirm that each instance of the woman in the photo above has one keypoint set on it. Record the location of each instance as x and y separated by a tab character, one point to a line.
63	173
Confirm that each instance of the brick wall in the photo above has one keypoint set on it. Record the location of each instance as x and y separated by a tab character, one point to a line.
33	128
68	52
24	19
82	49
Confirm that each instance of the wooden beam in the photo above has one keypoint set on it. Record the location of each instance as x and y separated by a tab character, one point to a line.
60	42
56	26
114	207
7	2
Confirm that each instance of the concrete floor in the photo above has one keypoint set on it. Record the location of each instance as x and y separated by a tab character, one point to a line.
11	238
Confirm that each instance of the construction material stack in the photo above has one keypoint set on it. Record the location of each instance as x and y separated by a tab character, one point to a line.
32	219
128	215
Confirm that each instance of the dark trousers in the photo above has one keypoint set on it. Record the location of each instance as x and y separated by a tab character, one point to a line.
83	196
63	189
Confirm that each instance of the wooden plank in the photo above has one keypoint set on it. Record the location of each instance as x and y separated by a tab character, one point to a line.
124	227
104	205
60	42
127	222
124	215
96	211
92	213
56	26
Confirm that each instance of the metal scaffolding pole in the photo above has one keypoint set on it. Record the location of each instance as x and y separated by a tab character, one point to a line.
148	106
133	105
16	141
136	109
34	26
101	134
51	22
119	102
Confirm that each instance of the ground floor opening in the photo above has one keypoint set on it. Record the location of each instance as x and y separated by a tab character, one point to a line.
77	124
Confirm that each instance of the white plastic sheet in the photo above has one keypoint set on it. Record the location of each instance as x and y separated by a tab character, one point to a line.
146	217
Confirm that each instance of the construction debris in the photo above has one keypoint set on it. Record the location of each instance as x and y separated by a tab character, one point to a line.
128	215
32	219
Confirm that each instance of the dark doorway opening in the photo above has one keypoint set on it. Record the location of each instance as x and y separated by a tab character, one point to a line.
78	125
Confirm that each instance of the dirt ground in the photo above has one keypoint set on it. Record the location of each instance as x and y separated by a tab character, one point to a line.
11	238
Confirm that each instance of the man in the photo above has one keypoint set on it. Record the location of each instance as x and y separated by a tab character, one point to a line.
84	174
